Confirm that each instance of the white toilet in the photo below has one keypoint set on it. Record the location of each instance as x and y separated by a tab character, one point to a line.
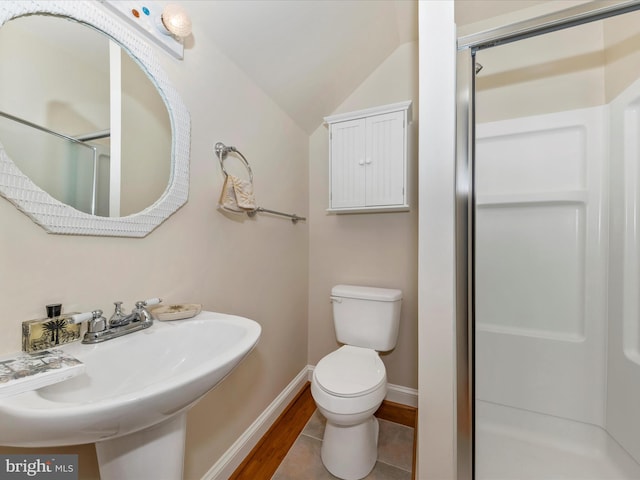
350	383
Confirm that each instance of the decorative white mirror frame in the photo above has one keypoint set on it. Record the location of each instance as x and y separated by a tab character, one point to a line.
57	217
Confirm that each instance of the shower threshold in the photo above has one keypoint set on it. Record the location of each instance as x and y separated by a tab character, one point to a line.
518	444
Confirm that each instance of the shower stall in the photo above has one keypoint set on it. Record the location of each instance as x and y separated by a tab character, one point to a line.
548	253
75	172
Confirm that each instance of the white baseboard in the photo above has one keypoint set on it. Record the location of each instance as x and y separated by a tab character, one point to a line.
233	457
403	395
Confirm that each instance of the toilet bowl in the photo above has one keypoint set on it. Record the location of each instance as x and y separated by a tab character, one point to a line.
348	386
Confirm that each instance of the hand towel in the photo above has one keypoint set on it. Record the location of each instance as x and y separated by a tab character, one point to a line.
244	193
237	195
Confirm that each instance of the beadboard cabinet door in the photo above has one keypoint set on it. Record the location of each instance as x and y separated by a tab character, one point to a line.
348	153
368	160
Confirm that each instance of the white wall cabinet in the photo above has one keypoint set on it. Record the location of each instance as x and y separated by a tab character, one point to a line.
368	168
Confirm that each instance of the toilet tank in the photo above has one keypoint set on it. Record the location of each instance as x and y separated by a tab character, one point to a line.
366	317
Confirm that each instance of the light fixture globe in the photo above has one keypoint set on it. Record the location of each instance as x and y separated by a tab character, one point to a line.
176	20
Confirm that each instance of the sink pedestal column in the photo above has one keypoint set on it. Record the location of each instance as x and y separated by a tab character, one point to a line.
156	452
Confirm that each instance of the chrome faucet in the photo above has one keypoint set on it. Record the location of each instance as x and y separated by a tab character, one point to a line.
118	318
99	330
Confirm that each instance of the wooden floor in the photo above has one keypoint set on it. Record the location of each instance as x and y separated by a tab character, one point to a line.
267	455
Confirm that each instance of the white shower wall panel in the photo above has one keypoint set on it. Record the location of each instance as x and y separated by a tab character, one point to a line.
519	162
623	367
532	268
541	264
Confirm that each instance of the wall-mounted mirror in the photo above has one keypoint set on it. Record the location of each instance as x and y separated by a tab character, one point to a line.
92	141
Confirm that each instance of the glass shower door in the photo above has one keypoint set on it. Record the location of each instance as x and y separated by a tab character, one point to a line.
543	249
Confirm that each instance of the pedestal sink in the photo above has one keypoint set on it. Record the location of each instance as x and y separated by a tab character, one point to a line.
133	398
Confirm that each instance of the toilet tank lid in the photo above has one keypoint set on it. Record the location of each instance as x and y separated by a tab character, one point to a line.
367	293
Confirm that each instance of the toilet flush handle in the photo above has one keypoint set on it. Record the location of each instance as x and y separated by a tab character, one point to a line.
335	299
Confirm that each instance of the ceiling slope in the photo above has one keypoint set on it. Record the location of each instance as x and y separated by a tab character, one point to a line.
308	55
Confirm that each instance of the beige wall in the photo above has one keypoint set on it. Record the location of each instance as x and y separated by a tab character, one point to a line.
575	68
560	71
256	268
622	52
374	249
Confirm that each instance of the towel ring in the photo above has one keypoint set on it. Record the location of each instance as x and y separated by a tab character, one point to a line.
222	150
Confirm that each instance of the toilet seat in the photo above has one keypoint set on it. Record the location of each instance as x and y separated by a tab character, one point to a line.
350	372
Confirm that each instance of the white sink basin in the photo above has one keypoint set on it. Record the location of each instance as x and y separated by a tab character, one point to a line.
131	383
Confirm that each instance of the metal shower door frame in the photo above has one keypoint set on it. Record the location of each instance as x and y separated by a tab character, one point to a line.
465	202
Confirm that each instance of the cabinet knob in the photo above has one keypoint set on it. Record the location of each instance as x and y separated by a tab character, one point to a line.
361	162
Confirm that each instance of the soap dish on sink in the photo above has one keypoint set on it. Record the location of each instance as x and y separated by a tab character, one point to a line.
176	312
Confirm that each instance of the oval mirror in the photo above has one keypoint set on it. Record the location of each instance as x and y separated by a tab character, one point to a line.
92	141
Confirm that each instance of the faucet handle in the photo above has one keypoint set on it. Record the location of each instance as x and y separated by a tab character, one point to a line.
141	309
147	303
83	317
96	321
80	317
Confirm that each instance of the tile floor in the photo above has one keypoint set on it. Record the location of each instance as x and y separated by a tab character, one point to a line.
395	454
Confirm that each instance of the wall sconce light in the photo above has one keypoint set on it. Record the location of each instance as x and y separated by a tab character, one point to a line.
165	24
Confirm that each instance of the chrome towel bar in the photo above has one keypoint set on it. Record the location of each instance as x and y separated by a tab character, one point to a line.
294	218
221	152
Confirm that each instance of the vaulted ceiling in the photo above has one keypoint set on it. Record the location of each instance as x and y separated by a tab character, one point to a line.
310	55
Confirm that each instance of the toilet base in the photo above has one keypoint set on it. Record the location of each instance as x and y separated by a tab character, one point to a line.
350	452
